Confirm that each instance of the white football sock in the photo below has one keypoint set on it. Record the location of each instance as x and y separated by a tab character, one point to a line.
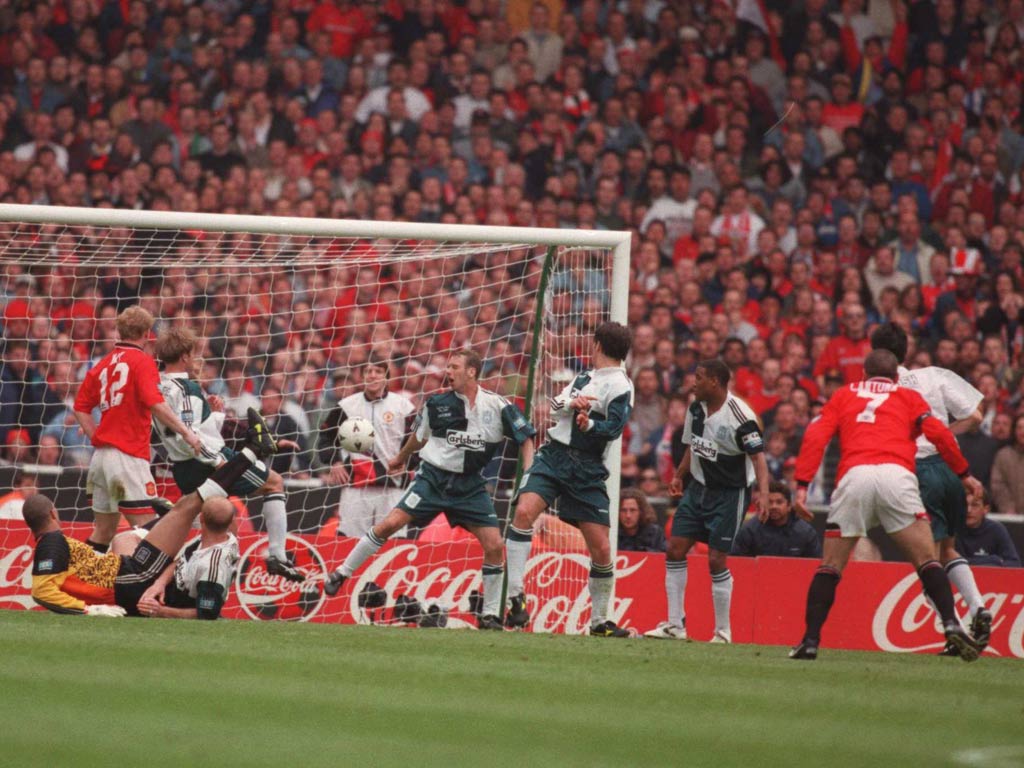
675	590
602	579
959	572
721	595
492	578
517	552
276	517
364	549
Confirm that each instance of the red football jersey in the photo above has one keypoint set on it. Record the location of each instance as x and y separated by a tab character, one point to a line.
878	423
125	385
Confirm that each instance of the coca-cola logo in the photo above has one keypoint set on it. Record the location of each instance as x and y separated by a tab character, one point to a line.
906	622
553	607
268	597
16	573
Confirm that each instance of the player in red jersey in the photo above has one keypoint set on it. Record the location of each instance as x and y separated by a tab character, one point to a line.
878	423
125	386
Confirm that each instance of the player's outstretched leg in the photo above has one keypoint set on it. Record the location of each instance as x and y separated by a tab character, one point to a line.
258	437
170	531
366	548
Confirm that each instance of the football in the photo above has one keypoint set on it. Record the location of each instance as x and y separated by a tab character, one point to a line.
356	436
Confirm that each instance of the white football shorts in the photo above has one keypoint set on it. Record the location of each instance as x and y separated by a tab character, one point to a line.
870	494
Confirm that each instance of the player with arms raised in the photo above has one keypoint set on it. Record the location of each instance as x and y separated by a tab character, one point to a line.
457	434
956	403
724	456
176	349
370	491
878	422
125	386
590	413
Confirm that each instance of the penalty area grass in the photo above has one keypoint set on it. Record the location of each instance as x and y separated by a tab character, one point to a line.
78	691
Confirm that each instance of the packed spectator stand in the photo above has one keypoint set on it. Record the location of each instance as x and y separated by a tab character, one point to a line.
793	173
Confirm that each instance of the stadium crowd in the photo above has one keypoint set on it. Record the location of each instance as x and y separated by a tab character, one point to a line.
791	180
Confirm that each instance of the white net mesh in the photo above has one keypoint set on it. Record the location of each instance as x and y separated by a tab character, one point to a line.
300	316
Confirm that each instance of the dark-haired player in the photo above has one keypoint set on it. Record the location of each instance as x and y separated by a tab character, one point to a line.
369	492
954	402
589	414
724	456
878	423
457	434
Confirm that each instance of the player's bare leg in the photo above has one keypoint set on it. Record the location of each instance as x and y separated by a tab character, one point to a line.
675	590
493	573
602	580
721	594
125	543
104	528
962	577
822	592
529	507
366	548
916	543
275	515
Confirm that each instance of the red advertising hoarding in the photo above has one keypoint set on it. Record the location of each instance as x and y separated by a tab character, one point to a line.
879	606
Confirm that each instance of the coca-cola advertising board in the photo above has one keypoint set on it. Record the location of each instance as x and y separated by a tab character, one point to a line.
879	606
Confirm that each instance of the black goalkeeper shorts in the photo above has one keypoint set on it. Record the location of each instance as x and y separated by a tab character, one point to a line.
137	574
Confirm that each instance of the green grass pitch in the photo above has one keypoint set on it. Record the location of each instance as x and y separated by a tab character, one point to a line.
142	693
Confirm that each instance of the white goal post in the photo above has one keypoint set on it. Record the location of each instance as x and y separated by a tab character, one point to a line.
235	258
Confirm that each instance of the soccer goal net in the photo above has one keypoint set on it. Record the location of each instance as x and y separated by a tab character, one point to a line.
289	312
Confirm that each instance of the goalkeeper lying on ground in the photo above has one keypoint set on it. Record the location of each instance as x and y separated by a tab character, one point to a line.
69	577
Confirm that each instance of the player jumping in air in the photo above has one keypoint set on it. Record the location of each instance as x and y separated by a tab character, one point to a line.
878	423
70	577
457	434
956	403
724	456
589	414
125	386
176	349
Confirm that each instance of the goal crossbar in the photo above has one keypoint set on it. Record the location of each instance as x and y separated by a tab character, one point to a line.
293	225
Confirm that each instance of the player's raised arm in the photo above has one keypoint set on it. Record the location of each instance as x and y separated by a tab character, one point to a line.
611	425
